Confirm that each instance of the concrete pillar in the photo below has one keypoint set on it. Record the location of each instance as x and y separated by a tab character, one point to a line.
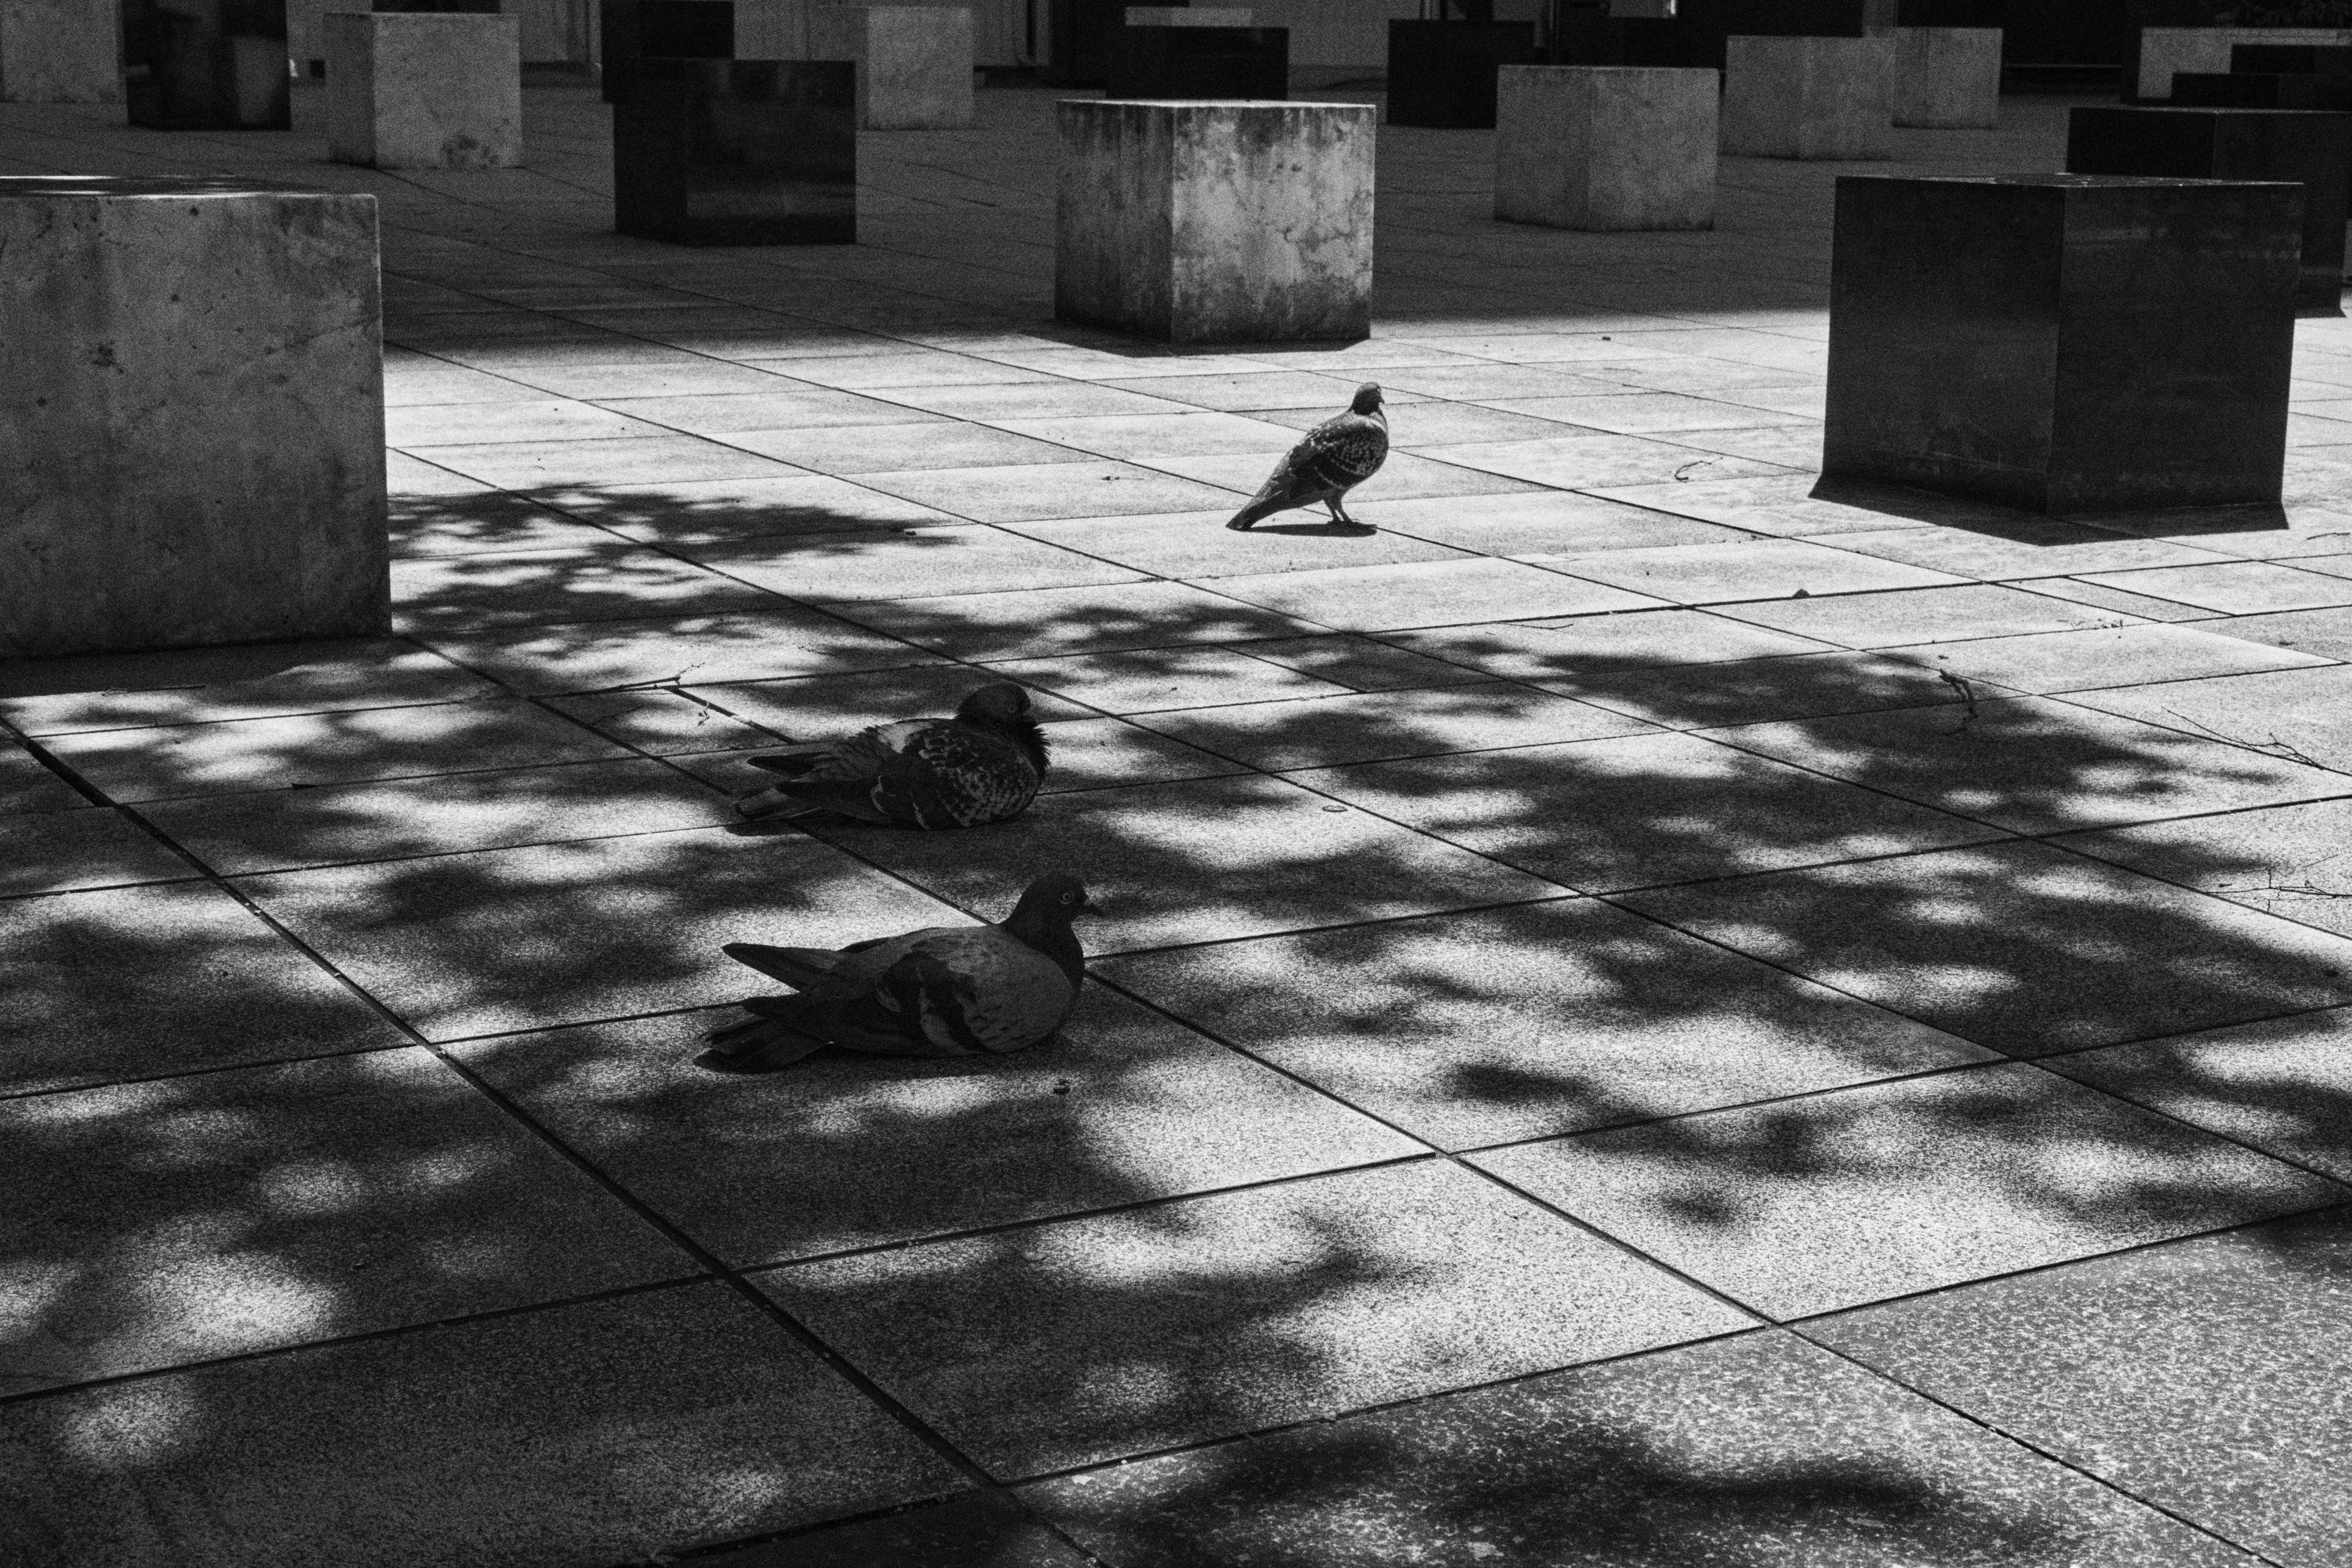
1215	222
1808	97
913	62
206	462
2166	50
60	51
1606	147
419	90
1947	78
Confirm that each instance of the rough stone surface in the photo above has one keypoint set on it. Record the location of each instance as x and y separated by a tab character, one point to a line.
1947	79
59	51
1599	147
1216	222
1808	97
207	462
418	91
913	62
1189	17
2165	51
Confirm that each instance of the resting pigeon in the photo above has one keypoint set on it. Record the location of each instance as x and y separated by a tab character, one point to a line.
1336	457
944	990
983	765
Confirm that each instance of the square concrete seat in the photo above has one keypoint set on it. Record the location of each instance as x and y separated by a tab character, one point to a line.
2155	54
1814	97
185	68
913	62
738	153
631	31
2311	149
425	90
205	461
2292	59
60	51
1200	223
1162	61
1189	17
1442	74
2062	343
1947	78
2262	89
1606	147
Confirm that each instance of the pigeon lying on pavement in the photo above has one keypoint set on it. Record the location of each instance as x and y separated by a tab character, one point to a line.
943	990
1336	457
983	765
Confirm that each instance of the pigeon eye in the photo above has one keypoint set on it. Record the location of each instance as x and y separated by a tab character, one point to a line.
1069	898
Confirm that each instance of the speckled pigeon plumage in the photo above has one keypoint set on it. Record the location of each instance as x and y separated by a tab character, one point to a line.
983	765
943	990
1336	457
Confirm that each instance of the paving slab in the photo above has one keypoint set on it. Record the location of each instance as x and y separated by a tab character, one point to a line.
1597	462
1198	544
610	582
119	692
1148	680
642	460
2102	658
1922	616
29	786
1796	505
1885	1190
1428	593
2321	634
596	656
717	511
1755	690
970	1529
661	722
2300	714
1041	622
59	851
1361	663
2293	861
1534	523
1745	570
1026	492
825	707
2236	588
904	563
796	409
1326	731
1097	1338
1546	652
485	521
2017	549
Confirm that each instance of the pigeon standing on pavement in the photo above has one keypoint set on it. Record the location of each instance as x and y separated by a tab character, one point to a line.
943	990
1336	457
983	765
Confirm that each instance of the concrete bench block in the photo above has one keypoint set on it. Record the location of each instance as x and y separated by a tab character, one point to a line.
913	62
1947	78
1812	98
1200	62
60	51
1189	17
182	71
738	153
2261	89
1215	222
2166	50
205	463
631	31
2062	343
424	90
1442	74
2312	150
1606	147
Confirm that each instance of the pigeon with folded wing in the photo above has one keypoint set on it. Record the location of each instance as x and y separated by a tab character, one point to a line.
983	765
1336	457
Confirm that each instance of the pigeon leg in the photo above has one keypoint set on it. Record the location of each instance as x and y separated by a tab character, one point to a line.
1340	520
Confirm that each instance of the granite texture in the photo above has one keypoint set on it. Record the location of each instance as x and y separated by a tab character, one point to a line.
59	51
207	463
1947	79
1606	148
913	62
968	1530
63	851
1820	98
1215	222
422	90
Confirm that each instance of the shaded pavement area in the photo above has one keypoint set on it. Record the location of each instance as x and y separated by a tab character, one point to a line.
1643	1014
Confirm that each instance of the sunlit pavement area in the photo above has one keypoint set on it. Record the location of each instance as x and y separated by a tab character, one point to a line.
1642	1015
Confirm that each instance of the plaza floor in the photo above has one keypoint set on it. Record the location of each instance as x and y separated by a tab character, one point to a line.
1642	1015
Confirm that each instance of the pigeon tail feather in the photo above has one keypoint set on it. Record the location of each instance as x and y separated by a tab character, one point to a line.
799	967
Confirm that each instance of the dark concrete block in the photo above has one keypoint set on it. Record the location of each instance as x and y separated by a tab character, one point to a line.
218	68
1442	74
2260	89
2312	150
1200	62
738	153
2291	59
2063	342
632	30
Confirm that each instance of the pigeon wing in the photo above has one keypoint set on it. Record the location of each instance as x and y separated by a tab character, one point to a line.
953	775
1003	995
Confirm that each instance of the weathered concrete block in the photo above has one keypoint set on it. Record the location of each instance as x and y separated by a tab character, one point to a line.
1808	97
184	70
1606	147
1215	222
2165	51
913	62
206	462
1947	78
1189	17
738	153
60	51
424	91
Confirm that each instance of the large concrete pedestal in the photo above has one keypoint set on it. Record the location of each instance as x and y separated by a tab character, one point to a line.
738	153
60	51
1442	74
1156	60
1606	147
2062	343
2262	89
913	62
1947	78
631	31
2160	52
419	90
205	461
1808	97
186	70
1215	222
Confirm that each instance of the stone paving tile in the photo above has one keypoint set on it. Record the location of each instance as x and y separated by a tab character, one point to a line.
699	377
1403	477
59	851
595	1433
783	640
662	723
2321	634
1428	594
1091	1338
222	1213
1043	400
482	522
1025	492
1044	622
193	686
717	511
906	563
473	423
2313	521
2021	947
2091	660
1756	690
2293	861
1258	389
2205	1377
826	706
2129	606
848	1151
1745	570
613	582
1921	615
308	750
1531	1021
1787	505
1543	652
2303	714
1645	413
1325	732
1760	1451
880	449
2019	551
1600	816
1131	436
799	408
1887	1190
1362	664
1596	462
1535	524
2236	588
140	982
1199	545
971	1530
27	786
526	938
539	465
1148	680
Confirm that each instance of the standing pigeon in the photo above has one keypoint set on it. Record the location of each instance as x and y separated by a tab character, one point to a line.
944	990
983	765
1336	457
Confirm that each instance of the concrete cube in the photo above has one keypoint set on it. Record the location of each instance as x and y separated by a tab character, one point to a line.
2062	343
1947	78
60	51
419	90
2162	51
1606	147
1189	17
913	62
738	153
206	462
1808	97
1220	222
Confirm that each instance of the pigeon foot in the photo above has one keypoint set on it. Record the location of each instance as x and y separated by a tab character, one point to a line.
1239	526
